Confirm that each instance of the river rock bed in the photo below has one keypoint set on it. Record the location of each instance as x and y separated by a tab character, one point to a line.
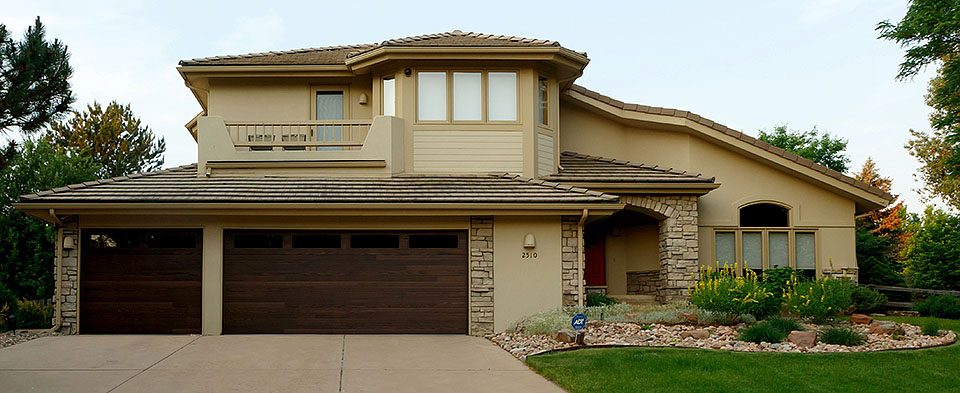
13	338
720	338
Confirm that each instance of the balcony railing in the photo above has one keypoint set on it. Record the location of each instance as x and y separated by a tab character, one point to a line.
304	135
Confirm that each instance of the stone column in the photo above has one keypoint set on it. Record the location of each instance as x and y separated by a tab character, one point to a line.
679	247
571	270
67	285
481	275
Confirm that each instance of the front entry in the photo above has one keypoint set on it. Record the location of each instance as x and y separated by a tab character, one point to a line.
595	272
345	282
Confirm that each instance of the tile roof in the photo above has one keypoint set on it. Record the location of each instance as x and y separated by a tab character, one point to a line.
582	168
734	133
181	185
333	55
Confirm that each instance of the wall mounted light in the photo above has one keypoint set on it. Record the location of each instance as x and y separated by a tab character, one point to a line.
363	98
529	241
407	71
68	243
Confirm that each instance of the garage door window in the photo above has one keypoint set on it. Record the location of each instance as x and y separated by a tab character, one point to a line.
375	241
172	240
258	241
316	241
433	241
115	240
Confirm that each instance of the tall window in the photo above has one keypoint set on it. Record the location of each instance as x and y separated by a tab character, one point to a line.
502	96
389	96
467	96
765	240
432	95
544	102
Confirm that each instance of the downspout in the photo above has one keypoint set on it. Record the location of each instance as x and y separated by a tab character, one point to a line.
580	251
58	255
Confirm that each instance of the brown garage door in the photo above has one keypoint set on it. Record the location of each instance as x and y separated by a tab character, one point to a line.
344	282
140	281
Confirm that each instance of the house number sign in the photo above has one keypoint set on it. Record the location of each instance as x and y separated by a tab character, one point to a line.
528	255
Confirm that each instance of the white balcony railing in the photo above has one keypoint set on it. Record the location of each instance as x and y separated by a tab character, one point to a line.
303	135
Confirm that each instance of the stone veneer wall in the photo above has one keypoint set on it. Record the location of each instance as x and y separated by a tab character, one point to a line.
643	283
68	285
845	272
678	241
570	234
481	275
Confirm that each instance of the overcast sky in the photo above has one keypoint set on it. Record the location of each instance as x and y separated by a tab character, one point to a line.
747	65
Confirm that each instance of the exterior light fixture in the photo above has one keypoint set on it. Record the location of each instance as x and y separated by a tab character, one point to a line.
68	243
529	241
407	71
363	98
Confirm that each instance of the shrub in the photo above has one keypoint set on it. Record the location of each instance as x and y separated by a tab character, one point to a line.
841	336
763	332
727	295
33	315
550	322
819	300
931	328
940	306
599	299
868	300
4	314
778	280
786	325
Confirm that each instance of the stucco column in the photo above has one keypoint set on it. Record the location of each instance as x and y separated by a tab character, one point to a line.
212	305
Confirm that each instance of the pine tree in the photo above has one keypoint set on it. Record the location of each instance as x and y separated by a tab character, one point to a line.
34	80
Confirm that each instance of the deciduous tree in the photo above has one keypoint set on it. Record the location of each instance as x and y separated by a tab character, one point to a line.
821	149
113	137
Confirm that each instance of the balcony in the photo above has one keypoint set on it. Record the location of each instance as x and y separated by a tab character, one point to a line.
304	148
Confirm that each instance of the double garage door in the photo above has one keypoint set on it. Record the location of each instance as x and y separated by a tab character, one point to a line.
277	282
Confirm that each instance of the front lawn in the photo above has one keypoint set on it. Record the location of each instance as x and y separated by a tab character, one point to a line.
689	370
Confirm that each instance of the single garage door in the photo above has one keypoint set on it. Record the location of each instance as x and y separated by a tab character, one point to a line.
345	282
140	281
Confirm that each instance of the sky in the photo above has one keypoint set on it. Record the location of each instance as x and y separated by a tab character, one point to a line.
749	65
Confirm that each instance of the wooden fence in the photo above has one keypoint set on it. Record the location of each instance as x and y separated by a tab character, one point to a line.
889	288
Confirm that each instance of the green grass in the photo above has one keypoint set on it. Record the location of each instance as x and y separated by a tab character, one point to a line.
676	369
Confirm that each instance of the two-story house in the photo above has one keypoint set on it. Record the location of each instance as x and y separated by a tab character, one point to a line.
446	183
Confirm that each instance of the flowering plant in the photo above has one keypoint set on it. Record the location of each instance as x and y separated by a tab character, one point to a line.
728	295
819	300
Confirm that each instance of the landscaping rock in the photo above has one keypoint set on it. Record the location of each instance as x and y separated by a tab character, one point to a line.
630	316
698	334
689	317
567	336
803	338
897	313
861	319
885	327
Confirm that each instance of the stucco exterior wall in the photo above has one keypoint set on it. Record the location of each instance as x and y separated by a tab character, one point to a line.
283	99
743	180
636	249
525	285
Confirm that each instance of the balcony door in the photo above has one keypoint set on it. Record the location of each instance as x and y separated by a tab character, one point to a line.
329	107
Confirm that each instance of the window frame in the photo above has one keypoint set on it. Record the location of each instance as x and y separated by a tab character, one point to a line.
484	91
543	106
344	89
765	245
383	78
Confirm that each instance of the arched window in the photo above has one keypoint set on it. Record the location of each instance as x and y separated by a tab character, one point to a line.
764	215
766	239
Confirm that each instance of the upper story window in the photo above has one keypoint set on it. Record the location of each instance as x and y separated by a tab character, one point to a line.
389	90
476	96
543	98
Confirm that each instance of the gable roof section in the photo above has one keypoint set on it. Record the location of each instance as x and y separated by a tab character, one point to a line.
182	186
793	161
582	168
337	55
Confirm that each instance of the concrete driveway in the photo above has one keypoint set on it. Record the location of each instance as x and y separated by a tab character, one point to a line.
265	363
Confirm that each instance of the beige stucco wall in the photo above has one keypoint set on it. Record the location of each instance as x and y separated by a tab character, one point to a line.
523	286
636	249
283	99
743	180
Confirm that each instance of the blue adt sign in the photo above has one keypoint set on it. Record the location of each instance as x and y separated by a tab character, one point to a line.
579	321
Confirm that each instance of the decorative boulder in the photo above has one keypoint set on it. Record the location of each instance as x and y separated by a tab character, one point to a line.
885	327
567	336
686	316
698	334
800	338
861	319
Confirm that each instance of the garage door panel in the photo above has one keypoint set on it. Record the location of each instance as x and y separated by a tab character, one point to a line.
140	281
345	290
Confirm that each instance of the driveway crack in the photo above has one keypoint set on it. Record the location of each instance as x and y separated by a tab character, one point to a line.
154	364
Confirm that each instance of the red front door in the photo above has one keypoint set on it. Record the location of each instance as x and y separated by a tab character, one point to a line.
594	270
